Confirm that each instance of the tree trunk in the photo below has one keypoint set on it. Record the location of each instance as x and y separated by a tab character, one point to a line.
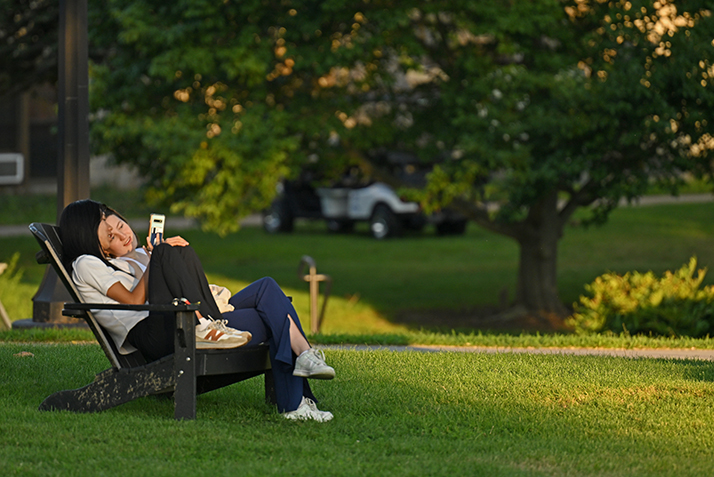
537	288
538	236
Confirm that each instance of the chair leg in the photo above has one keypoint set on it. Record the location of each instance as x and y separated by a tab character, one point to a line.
270	396
113	387
185	366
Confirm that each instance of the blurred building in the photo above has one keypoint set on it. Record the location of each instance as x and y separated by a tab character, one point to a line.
28	139
28	147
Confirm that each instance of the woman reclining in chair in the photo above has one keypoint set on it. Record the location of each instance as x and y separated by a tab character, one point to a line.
102	254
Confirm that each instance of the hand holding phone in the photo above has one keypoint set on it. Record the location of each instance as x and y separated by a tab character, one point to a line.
156	229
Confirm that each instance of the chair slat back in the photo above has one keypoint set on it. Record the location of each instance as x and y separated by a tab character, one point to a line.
48	237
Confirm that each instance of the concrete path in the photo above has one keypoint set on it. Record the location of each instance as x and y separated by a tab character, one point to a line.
700	354
668	199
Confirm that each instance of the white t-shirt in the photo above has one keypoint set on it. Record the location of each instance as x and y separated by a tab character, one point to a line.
139	258
93	279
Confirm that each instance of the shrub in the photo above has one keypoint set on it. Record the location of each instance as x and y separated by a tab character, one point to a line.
640	303
14	294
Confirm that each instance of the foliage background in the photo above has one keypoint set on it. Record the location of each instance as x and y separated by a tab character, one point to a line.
532	110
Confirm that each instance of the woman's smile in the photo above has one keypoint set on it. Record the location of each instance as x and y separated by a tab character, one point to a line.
116	237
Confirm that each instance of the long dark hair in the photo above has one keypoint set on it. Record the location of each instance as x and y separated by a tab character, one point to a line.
78	230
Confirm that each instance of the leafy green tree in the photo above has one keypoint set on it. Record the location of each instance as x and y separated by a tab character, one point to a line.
538	109
532	109
28	44
209	99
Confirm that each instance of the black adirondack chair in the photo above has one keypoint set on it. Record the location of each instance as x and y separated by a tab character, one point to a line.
185	374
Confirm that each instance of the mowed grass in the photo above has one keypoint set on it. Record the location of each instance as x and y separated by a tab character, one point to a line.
396	413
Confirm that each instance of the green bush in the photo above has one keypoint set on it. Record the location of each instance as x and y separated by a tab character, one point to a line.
640	303
14	294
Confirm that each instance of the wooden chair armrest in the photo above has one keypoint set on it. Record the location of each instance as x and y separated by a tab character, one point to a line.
119	306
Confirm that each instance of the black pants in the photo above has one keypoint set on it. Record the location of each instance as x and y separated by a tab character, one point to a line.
174	272
261	308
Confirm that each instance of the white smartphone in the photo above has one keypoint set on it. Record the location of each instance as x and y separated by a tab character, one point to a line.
156	229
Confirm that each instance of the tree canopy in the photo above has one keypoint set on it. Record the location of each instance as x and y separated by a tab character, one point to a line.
542	108
530	110
210	100
28	44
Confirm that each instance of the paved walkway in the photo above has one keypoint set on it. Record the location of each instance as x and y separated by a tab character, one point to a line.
701	354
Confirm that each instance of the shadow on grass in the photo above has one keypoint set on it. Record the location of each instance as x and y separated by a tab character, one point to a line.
485	319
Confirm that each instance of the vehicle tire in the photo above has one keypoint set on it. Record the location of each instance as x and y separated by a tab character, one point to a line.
449	227
416	223
384	223
278	218
340	226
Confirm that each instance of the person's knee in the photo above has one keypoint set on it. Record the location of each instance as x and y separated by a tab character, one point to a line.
169	251
161	251
269	286
269	282
186	251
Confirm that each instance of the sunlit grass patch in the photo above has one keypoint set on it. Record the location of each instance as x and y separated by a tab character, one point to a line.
396	413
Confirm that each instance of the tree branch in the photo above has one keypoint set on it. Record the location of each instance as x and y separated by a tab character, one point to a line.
481	215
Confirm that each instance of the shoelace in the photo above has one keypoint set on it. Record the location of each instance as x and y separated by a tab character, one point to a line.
221	325
319	354
322	415
310	403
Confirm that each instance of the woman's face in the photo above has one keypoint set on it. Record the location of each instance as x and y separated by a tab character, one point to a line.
116	237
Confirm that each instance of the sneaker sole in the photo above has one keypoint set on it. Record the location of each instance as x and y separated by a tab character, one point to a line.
326	374
245	335
316	418
217	345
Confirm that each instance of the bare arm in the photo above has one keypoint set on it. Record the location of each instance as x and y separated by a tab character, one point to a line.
137	296
177	241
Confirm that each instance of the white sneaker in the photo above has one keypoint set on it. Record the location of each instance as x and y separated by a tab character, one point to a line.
222	325
311	364
211	336
308	410
326	415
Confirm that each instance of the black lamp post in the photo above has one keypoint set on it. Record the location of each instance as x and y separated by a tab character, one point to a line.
73	139
73	97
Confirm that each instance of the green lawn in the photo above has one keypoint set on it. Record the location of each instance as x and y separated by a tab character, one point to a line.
379	286
396	413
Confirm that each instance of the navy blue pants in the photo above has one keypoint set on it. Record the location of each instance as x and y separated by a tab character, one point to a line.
261	308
